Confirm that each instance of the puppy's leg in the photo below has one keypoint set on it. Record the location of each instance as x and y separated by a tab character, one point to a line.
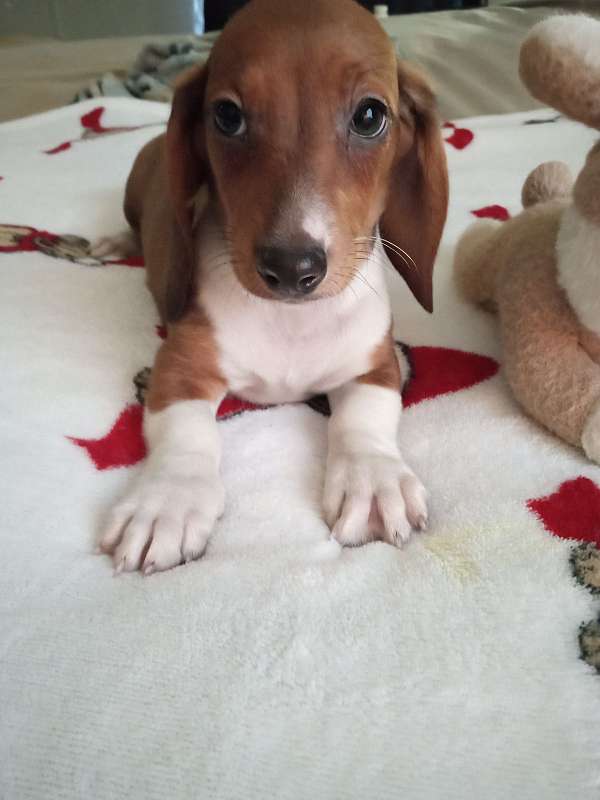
370	492
122	245
168	514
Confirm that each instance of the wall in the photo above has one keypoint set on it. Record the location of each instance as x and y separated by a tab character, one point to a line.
92	19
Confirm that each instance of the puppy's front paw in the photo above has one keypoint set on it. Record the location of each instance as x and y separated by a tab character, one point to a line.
165	520
371	496
121	245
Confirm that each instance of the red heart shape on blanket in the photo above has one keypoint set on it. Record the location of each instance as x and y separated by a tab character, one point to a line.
132	261
93	127
58	149
91	120
123	445
492	212
572	511
441	370
460	137
435	371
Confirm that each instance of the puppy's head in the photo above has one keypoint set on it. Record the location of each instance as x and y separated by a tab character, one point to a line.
310	134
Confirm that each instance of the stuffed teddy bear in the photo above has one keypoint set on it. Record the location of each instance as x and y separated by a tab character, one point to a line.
540	271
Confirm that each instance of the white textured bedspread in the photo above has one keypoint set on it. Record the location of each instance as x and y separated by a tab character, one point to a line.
278	666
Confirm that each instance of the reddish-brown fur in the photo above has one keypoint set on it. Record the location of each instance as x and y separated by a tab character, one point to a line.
186	366
385	370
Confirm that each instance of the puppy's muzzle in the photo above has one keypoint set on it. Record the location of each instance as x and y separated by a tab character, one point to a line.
291	272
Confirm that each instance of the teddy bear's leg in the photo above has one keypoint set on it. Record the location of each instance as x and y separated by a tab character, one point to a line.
475	262
590	438
550	373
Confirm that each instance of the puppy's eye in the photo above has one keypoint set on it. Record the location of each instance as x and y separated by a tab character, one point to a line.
370	118
229	118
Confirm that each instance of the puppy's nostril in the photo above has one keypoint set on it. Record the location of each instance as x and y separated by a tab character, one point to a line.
270	278
306	283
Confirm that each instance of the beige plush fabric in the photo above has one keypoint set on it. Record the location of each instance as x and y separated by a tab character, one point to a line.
550	180
548	356
559	64
549	371
539	270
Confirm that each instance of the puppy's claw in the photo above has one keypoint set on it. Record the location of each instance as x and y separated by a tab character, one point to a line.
165	520
393	504
119	568
422	523
399	540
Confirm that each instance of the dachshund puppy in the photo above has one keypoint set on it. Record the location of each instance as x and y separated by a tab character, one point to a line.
294	160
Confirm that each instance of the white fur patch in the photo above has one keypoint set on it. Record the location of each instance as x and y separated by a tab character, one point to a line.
316	223
276	352
168	514
578	251
370	492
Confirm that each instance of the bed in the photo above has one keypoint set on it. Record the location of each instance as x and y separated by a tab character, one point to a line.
280	666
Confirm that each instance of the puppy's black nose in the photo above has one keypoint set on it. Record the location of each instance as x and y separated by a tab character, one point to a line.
291	271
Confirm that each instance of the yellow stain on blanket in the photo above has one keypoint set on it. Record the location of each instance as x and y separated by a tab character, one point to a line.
460	550
454	552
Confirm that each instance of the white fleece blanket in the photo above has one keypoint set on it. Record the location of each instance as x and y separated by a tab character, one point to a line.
278	666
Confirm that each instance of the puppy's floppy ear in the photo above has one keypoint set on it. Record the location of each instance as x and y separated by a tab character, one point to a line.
417	201
186	172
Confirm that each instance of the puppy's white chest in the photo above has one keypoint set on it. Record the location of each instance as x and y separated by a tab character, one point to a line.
274	352
280	367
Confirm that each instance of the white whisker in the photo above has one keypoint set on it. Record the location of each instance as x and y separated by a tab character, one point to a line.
395	248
